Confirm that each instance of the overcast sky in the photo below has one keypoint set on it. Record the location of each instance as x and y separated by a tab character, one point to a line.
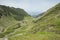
31	5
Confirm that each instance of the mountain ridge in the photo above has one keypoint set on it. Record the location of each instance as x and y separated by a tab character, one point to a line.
45	27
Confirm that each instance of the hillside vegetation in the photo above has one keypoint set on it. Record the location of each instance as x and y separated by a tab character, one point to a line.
16	24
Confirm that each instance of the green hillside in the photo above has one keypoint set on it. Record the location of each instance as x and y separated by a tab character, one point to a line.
50	21
16	24
48	25
12	19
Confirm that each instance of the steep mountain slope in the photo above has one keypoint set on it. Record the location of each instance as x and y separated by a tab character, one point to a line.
12	19
46	27
49	22
15	12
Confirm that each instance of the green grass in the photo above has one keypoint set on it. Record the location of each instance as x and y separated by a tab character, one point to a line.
45	28
38	36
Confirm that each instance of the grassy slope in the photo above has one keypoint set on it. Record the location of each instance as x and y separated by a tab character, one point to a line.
8	22
50	20
46	28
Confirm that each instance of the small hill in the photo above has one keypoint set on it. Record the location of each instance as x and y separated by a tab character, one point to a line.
40	14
